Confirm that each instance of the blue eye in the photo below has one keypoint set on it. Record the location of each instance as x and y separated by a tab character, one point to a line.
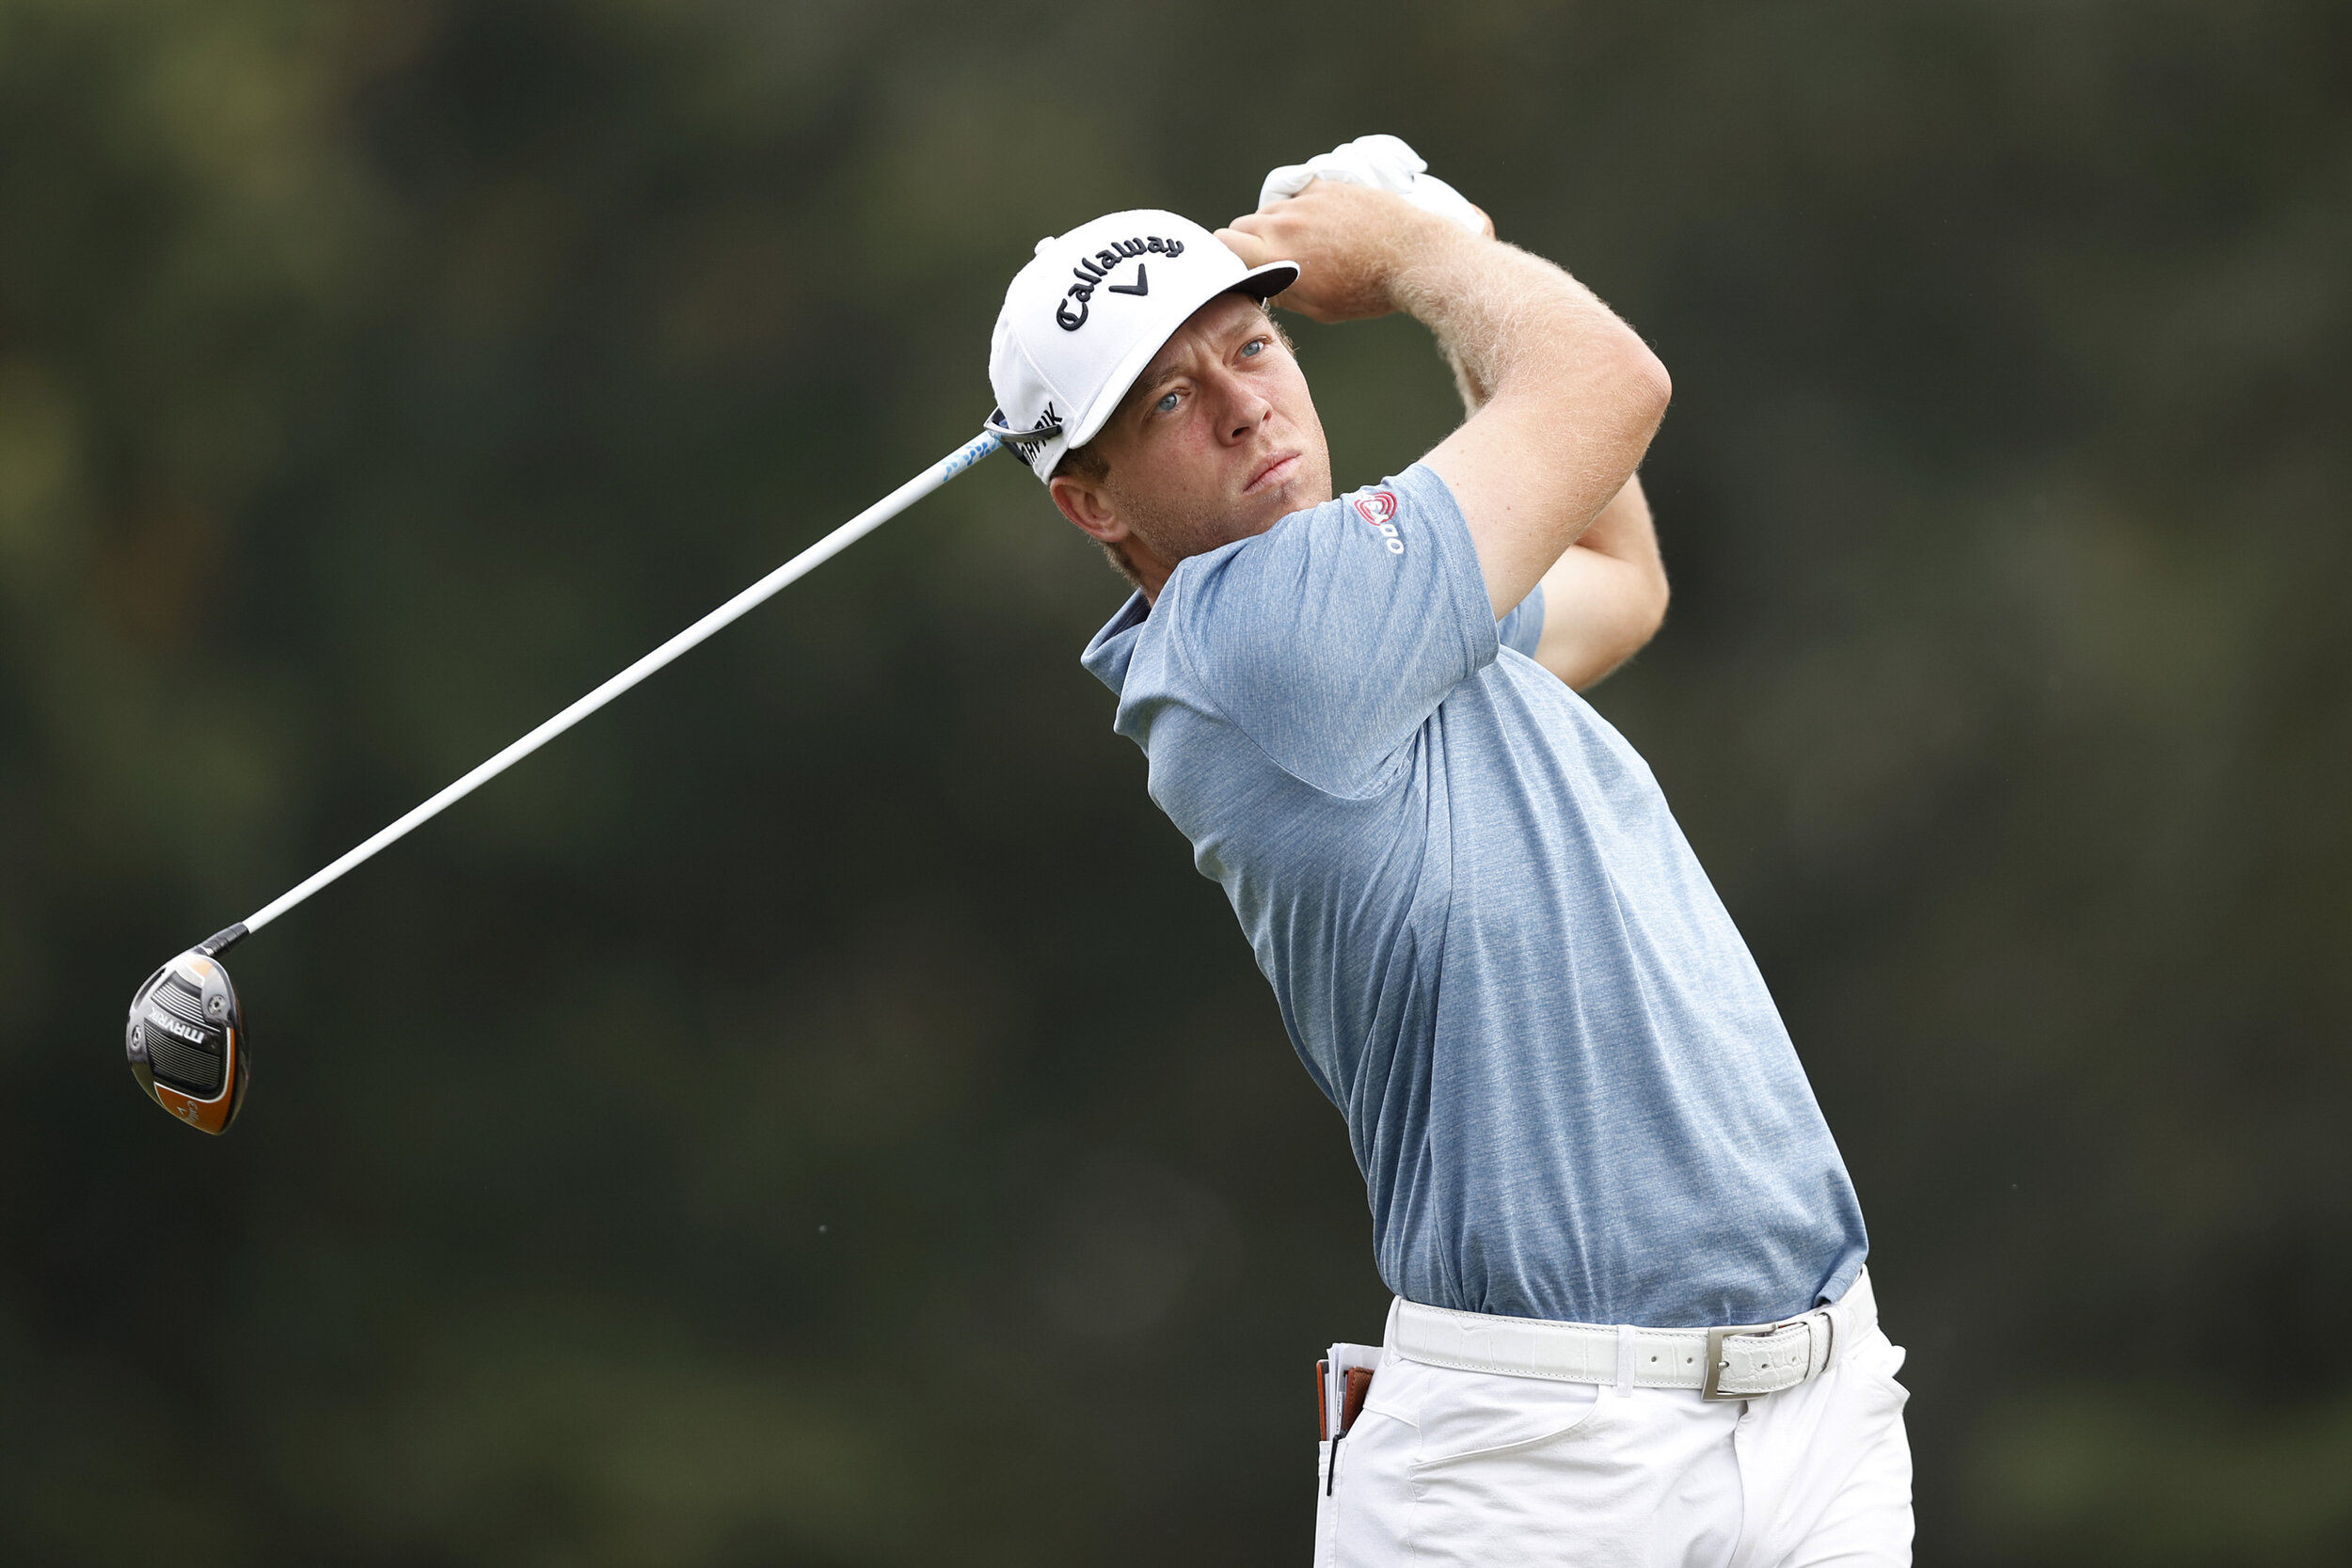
1165	405
1250	349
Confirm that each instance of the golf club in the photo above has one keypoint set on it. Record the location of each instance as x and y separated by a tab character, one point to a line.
186	1038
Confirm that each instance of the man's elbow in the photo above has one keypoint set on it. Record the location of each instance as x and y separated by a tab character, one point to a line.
1647	386
1650	607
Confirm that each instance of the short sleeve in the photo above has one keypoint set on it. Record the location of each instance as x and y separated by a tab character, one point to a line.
1331	638
1523	628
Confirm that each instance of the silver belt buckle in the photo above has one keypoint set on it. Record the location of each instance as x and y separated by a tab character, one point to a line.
1710	1389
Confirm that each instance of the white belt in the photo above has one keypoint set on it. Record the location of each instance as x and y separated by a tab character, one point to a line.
1733	1363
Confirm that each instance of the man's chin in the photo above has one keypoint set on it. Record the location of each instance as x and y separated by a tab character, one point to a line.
1301	492
1175	539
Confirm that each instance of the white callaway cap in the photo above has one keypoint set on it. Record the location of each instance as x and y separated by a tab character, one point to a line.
1085	317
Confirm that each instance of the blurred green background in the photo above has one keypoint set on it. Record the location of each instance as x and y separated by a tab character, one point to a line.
814	1114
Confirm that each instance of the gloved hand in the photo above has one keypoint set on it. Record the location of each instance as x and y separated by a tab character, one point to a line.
1385	163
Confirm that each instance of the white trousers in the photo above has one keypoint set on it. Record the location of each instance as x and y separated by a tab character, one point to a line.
1449	1466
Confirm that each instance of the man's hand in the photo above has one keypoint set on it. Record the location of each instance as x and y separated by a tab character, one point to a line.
1350	242
1566	395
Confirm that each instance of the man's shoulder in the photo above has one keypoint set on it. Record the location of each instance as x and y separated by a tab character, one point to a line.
1111	650
1143	655
1325	642
1419	492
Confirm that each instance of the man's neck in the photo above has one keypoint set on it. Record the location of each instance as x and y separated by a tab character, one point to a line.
1151	573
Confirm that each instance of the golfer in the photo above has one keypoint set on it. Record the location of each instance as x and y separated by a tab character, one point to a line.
1631	1321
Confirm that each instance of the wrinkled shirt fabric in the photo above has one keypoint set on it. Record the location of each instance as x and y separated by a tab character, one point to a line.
1565	1083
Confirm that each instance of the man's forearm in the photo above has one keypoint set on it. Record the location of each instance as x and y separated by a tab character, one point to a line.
1473	395
1606	596
1568	394
1501	316
1562	395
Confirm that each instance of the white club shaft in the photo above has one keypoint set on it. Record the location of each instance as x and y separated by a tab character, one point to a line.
758	594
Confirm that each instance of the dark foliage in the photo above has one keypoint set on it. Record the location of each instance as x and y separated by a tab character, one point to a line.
815	1114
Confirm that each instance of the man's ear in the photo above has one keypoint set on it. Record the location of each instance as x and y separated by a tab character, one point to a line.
1087	507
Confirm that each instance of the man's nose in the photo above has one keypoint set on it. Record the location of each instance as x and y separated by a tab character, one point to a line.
1243	409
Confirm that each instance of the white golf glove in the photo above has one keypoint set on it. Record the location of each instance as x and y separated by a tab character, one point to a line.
1385	163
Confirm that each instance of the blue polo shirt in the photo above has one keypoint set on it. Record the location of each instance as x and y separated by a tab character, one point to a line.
1565	1081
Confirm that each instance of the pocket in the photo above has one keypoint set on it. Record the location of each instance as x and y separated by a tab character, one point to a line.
1465	1414
1325	1522
1830	1456
1878	1359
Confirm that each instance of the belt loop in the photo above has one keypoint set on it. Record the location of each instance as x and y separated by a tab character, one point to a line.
1624	1359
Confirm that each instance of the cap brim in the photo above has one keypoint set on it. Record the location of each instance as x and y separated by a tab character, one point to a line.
1259	283
1267	281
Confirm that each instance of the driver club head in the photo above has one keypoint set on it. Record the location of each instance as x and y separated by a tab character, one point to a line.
186	1041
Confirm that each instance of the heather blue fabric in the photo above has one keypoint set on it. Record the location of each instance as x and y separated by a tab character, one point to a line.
1524	626
1568	1090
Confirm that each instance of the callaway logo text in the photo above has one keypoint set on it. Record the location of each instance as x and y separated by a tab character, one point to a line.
1095	272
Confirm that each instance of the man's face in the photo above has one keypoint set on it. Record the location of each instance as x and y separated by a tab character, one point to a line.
1217	440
